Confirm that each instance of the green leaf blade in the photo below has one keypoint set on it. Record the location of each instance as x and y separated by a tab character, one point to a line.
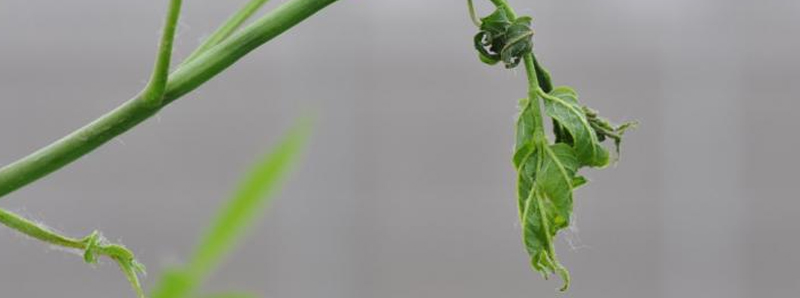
546	174
546	199
562	105
557	174
253	195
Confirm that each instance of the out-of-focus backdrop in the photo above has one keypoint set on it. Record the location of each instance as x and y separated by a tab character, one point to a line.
408	190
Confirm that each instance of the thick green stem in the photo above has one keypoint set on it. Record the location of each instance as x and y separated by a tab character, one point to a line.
230	26
153	94
218	58
185	79
533	96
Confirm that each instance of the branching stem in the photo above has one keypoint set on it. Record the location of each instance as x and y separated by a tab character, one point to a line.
153	94
219	52
183	80
229	27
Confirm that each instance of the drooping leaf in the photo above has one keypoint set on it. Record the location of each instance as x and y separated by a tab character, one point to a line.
525	161
546	84
546	178
562	105
548	207
547	173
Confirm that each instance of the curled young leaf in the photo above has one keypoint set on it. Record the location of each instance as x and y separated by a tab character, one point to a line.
518	42
503	39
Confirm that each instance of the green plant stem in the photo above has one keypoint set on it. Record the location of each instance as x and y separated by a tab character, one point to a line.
472	15
218	58
533	96
503	4
228	28
153	93
183	80
92	246
36	231
147	103
530	71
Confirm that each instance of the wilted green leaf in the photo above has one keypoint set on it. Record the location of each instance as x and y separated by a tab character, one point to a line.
548	206
546	178
562	105
547	173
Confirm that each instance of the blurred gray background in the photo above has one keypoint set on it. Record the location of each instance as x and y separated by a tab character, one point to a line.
408	190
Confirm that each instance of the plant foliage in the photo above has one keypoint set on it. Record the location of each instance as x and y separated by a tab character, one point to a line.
235	217
547	172
229	43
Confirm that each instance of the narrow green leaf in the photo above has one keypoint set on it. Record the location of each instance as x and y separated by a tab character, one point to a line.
175	283
230	295
250	199
239	213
